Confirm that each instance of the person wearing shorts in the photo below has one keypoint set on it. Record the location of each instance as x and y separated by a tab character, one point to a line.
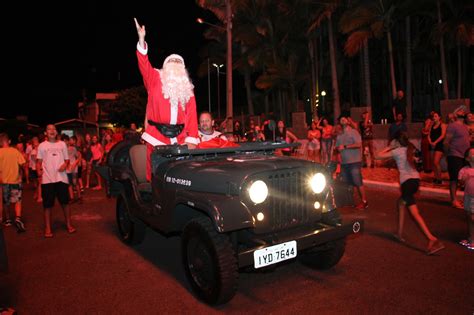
53	160
349	144
456	144
11	163
401	149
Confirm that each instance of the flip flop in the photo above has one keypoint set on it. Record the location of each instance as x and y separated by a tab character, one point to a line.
48	235
457	205
398	238
71	230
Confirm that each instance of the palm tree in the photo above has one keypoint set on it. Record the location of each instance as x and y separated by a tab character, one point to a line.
325	12
458	25
441	49
365	20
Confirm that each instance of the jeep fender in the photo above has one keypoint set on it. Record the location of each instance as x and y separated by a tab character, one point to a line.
227	213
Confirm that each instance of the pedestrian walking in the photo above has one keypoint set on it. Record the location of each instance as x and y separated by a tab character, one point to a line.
402	150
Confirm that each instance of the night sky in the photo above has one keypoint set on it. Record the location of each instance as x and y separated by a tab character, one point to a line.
53	56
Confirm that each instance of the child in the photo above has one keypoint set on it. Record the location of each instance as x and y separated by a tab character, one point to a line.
74	161
11	161
466	176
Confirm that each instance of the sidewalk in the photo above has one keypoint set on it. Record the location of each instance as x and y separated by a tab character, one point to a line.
383	177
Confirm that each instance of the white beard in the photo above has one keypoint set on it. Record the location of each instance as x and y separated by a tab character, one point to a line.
176	86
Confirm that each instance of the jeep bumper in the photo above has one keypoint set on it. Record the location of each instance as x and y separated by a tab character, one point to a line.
306	239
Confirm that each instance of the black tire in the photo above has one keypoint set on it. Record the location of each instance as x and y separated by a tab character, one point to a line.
328	255
209	261
130	232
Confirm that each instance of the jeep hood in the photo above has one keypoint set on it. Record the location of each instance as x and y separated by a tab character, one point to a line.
226	174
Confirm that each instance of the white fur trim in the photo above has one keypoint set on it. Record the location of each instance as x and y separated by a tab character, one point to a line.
173	56
151	140
141	50
191	140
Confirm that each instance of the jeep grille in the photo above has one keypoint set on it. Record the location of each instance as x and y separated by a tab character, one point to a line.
288	199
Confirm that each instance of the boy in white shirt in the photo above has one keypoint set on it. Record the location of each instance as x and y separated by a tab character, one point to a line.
52	161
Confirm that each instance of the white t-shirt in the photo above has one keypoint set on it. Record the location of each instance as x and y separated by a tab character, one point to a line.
205	137
53	155
404	168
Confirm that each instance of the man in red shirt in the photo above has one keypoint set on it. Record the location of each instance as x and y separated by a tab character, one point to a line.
171	108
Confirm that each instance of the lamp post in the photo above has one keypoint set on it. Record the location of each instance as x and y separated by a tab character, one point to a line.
323	94
228	30
218	89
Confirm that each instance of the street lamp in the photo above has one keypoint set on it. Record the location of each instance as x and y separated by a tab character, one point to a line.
218	89
201	21
228	29
323	94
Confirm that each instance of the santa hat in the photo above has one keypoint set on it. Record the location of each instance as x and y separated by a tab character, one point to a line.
173	56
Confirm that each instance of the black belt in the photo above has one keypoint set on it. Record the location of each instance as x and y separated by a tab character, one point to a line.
169	131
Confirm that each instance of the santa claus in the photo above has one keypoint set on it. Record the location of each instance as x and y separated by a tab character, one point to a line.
171	108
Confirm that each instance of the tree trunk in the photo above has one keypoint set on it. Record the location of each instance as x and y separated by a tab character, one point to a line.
312	61
392	66
267	104
361	85
229	111
459	69
368	90
280	104
408	70
335	85
443	62
248	90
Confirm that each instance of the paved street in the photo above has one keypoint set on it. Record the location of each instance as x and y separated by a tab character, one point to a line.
93	272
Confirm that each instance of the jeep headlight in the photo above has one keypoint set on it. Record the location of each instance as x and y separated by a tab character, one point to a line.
258	191
318	182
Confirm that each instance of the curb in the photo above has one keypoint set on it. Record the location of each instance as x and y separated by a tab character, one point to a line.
425	191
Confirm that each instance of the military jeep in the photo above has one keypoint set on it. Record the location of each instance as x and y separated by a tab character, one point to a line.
235	208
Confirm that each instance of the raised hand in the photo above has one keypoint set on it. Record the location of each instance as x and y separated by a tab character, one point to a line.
140	29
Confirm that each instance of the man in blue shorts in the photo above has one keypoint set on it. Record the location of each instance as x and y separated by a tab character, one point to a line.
349	143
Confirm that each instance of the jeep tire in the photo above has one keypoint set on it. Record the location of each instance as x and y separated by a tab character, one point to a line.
209	261
130	232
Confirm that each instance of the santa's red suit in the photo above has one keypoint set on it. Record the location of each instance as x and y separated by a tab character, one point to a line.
159	110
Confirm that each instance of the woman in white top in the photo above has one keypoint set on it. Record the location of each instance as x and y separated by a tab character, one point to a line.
401	150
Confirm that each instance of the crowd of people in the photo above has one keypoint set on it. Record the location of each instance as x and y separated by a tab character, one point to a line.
62	167
56	165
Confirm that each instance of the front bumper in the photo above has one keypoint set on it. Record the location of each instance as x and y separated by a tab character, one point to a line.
306	240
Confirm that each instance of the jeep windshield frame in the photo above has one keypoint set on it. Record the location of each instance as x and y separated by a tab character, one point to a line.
182	150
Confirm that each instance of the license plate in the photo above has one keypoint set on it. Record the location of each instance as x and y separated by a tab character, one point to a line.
274	254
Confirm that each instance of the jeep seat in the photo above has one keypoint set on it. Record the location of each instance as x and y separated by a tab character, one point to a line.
138	161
